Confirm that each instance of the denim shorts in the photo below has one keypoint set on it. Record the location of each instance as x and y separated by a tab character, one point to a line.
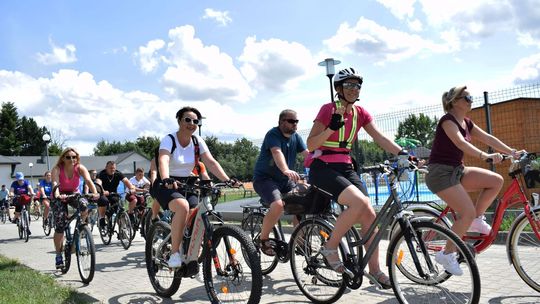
441	177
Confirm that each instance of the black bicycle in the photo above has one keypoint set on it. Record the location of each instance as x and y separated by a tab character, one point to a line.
116	221
414	275
79	241
230	263
23	226
139	214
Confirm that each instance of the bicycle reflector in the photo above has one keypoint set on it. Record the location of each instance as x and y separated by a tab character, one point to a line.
324	234
399	257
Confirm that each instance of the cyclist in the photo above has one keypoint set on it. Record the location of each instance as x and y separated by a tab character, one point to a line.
451	180
334	130
45	189
22	188
273	175
185	147
141	183
66	174
4	203
109	179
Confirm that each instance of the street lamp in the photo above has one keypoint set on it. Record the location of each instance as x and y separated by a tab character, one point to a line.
47	139
31	165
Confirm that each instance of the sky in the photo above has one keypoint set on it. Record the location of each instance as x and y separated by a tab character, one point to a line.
117	70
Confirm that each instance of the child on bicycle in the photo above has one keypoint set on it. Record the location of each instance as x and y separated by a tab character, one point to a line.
449	179
334	130
273	174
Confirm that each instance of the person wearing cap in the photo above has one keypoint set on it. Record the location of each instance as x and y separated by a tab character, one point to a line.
334	130
22	188
449	179
4	193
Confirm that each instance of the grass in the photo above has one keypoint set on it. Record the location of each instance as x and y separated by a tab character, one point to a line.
21	284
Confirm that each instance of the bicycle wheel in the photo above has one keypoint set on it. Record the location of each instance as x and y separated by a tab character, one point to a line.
26	225
125	230
523	249
437	286
36	211
164	281
86	254
423	213
239	277
317	281
48	226
3	216
135	224
106	231
252	224
143	224
67	248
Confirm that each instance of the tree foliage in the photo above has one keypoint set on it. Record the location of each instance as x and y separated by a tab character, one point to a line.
419	127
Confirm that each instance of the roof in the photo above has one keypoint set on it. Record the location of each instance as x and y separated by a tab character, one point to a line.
7	160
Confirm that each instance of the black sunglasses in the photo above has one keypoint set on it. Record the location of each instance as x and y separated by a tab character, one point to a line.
291	121
192	121
468	98
69	157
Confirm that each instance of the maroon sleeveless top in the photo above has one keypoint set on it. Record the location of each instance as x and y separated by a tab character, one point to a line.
443	150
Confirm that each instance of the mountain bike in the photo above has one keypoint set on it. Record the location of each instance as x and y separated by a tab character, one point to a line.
116	217
49	222
139	214
79	241
23	226
4	211
230	264
414	275
523	240
35	209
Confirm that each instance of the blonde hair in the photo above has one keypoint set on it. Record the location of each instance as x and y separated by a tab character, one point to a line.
449	97
63	154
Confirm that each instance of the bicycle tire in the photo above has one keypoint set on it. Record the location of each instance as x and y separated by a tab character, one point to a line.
423	212
252	225
135	224
86	254
3	216
315	279
105	232
36	212
240	277
143	229
48	226
440	286
125	230
26	225
67	255
164	281
522	248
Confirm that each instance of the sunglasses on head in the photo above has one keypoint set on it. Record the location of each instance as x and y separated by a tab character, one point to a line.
69	157
291	121
468	98
352	85
191	120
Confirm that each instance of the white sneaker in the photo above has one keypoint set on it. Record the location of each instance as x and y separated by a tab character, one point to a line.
479	225
175	260
449	262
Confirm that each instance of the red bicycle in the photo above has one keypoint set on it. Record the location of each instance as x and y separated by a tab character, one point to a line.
523	242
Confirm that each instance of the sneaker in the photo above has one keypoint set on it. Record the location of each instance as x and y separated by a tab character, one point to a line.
449	262
59	262
175	260
102	223
479	225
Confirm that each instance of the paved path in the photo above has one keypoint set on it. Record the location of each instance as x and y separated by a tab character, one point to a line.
121	275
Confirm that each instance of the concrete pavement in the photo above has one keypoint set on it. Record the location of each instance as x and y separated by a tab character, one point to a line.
121	275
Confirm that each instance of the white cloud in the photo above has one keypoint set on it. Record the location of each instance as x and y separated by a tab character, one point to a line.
399	8
199	72
58	54
221	17
384	44
415	25
275	64
148	57
527	69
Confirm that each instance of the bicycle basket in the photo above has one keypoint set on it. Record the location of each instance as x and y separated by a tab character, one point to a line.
530	167
306	200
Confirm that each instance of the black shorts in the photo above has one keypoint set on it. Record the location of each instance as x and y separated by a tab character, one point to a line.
270	190
110	200
164	196
334	177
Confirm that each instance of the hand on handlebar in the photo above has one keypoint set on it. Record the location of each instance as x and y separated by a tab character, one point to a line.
169	183
493	157
292	175
233	182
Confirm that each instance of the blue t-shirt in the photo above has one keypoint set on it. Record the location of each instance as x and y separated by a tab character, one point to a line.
20	189
265	165
47	187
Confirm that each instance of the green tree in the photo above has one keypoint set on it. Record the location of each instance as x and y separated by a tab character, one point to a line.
10	144
371	153
104	148
32	136
147	145
419	127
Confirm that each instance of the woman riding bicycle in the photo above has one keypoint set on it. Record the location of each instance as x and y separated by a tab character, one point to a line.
179	165
45	188
22	188
334	130
66	175
451	180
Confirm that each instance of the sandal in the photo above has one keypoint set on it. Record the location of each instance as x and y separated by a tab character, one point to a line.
267	247
332	259
382	279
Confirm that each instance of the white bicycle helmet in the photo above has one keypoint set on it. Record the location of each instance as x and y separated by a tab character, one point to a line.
346	74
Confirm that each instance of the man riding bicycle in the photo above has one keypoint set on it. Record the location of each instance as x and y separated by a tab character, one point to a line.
109	179
45	189
141	184
4	193
273	174
22	188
